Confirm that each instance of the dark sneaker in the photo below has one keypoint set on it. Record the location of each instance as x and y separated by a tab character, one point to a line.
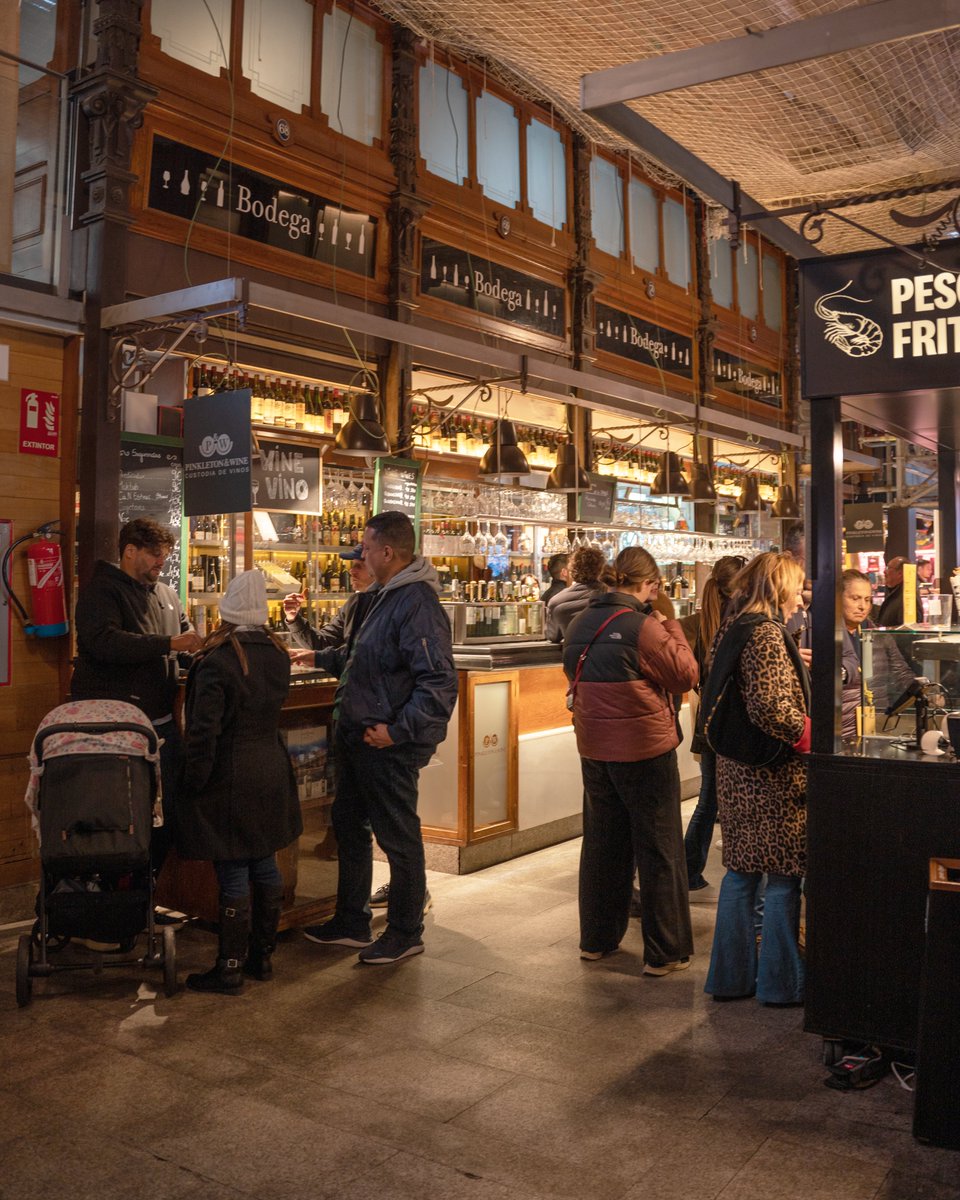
390	947
332	933
381	896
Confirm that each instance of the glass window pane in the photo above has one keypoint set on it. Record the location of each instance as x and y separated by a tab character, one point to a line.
351	78
546	174
721	272
38	32
443	123
676	243
772	292
498	149
278	50
644	225
191	34
606	198
748	282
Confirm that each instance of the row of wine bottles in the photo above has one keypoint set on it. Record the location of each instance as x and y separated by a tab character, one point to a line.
282	403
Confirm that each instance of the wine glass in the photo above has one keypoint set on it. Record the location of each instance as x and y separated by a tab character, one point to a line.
483	537
500	541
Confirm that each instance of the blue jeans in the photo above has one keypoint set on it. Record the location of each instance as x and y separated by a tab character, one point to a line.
236	875
736	967
171	753
696	842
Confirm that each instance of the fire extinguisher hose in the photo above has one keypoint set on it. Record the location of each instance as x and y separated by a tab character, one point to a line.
52	527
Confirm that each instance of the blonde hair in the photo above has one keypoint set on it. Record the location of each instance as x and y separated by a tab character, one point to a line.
634	566
227	632
767	582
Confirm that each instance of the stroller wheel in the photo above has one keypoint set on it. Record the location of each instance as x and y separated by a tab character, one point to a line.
55	942
169	961
24	959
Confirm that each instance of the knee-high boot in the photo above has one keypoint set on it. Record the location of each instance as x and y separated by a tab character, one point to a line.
226	976
267	906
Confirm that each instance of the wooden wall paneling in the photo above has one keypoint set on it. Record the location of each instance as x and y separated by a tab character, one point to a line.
542	699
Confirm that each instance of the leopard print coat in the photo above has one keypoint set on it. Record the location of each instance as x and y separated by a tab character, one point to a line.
763	812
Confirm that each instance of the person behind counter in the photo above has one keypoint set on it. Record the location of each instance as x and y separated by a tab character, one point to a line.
759	681
344	625
891	675
398	688
239	801
625	662
559	570
130	629
587	566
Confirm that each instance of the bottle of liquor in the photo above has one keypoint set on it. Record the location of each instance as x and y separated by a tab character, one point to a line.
269	403
328	575
345	529
301	408
335	576
256	400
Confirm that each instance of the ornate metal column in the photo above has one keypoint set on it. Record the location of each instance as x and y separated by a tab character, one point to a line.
704	515
405	212
582	285
111	101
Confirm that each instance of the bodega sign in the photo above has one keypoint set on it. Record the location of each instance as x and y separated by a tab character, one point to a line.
882	322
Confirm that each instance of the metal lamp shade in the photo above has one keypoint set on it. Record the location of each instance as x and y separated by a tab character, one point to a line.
567	475
749	499
362	435
503	457
785	506
702	490
670	479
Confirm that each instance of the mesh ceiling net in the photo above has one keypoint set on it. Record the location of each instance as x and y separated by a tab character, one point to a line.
865	121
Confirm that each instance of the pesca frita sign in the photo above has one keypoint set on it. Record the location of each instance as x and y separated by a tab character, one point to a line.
882	322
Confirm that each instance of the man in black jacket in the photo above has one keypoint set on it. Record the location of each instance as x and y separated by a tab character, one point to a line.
344	626
130	629
397	690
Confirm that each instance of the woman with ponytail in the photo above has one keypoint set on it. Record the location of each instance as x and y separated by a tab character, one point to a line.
240	800
625	662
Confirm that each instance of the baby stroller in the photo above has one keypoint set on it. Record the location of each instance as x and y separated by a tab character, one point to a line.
94	792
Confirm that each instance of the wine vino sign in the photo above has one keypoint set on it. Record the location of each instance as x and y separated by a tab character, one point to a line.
201	187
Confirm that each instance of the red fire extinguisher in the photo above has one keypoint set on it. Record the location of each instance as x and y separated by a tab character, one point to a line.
45	576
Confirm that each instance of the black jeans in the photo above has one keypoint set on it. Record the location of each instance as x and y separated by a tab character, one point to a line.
632	812
377	790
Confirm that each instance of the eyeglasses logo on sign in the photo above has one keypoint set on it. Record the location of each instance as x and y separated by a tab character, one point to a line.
216	443
863	525
851	332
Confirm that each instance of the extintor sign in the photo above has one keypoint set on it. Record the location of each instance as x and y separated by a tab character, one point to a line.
39	423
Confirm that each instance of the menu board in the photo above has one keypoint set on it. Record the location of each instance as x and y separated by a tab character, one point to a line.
396	488
597	504
151	485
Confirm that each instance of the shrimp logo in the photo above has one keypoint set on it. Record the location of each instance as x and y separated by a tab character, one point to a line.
216	443
851	332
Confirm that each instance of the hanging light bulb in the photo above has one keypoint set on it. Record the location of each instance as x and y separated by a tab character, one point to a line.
567	475
504	460
670	479
702	490
362	435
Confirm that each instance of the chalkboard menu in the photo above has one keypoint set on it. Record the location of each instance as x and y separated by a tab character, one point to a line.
396	488
151	485
597	504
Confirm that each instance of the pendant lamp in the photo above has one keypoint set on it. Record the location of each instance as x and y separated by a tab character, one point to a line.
504	460
362	436
749	499
567	475
670	479
702	490
785	506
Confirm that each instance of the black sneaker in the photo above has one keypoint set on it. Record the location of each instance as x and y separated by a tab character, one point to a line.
389	948
332	933
381	896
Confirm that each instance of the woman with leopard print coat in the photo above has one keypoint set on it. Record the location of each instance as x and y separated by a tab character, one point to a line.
763	808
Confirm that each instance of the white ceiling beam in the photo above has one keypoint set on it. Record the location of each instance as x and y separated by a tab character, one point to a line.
760	49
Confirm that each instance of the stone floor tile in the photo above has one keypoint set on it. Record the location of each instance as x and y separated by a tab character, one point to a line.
572	1007
791	1172
409	1177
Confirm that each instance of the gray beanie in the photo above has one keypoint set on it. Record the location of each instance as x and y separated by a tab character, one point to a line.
245	600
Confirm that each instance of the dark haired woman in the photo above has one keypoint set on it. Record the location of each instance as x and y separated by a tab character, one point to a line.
239	801
625	662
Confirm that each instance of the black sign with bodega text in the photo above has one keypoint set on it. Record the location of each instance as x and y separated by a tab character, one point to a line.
458	277
217	453
884	322
151	485
286	478
200	187
643	342
747	379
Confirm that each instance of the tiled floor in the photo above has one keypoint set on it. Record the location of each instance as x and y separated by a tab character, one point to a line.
495	1066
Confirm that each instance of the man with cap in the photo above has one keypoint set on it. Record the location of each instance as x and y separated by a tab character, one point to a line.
397	690
345	624
130	629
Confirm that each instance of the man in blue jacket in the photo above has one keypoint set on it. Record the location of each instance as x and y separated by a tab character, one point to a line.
397	690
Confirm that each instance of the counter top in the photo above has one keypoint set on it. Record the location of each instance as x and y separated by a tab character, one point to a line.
499	656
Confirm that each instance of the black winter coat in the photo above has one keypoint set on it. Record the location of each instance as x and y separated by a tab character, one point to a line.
123	641
238	797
